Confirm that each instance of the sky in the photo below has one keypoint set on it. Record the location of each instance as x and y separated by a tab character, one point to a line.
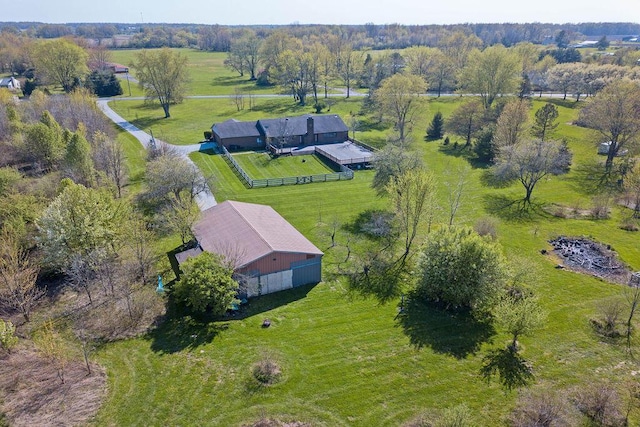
278	12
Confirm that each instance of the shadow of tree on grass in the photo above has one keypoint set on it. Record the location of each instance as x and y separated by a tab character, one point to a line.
510	209
180	332
458	334
511	368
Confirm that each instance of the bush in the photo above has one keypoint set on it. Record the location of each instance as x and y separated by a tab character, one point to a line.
600	208
460	269
540	409
607	322
629	224
487	227
319	107
206	285
601	404
8	339
208	135
267	371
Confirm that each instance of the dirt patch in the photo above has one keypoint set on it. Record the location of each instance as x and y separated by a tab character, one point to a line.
586	256
31	393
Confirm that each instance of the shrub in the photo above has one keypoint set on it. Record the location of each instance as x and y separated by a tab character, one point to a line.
447	140
319	107
601	404
629	224
607	322
487	226
267	371
208	135
600	208
460	269
543	409
8	339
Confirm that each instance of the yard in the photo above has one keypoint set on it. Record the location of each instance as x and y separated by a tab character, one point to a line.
260	165
349	361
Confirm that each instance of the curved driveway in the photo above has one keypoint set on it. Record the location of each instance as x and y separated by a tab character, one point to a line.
205	199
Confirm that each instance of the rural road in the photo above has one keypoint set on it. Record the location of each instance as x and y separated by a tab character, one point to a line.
205	199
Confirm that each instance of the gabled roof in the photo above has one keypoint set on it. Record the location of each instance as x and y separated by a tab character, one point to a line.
246	232
235	129
290	126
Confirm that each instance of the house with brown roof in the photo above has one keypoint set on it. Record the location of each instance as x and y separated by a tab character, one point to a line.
267	251
281	133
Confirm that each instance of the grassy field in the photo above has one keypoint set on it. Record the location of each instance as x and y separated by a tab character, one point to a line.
263	166
349	361
207	74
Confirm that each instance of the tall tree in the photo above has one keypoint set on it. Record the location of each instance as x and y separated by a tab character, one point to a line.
512	123
245	54
530	161
163	76
615	116
390	163
44	141
466	120
435	130
398	98
545	121
110	158
413	198
349	65
80	221
61	62
494	71
78	164
18	274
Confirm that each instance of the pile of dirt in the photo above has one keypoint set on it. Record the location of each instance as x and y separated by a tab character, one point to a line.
32	393
586	256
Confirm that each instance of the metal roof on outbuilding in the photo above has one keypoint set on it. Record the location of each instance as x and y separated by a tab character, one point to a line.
245	232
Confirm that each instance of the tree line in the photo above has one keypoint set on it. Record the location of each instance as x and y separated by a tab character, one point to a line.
368	36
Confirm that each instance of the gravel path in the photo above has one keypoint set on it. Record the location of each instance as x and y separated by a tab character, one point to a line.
205	199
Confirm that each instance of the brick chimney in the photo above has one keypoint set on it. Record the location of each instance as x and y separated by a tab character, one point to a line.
309	138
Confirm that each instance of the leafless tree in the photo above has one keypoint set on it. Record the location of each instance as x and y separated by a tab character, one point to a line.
238	98
18	275
455	192
109	157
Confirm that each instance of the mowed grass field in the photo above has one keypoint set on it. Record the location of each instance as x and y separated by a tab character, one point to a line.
261	165
350	361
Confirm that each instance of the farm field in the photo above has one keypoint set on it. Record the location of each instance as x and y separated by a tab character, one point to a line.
350	361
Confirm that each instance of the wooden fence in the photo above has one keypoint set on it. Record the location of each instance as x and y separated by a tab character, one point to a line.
344	174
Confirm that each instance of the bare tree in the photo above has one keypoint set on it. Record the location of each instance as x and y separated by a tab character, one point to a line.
530	161
238	98
456	191
109	157
632	296
18	275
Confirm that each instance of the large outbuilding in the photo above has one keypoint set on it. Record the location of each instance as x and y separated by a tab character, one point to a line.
281	133
267	251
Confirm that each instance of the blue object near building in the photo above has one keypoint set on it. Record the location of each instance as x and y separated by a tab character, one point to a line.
160	288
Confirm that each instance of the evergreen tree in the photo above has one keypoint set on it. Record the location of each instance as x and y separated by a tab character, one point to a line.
436	127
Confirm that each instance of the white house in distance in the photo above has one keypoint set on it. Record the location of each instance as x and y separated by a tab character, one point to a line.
268	251
10	83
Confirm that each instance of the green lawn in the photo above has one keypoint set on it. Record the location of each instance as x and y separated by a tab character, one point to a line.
207	74
263	166
348	361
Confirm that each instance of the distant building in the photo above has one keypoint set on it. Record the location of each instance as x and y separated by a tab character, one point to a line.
10	83
117	68
265	249
586	43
